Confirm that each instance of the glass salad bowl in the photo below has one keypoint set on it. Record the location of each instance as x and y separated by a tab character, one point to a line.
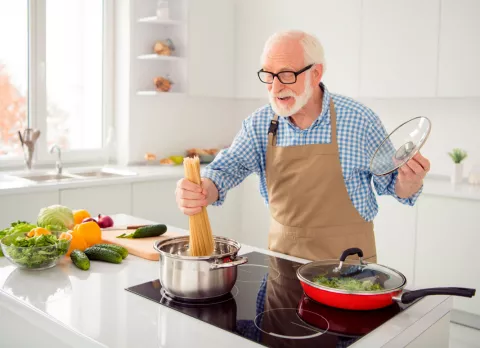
36	251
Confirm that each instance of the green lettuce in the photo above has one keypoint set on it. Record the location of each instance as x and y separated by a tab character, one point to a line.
24	250
56	218
15	227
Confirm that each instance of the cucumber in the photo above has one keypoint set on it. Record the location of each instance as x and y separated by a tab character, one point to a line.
80	260
146	231
118	248
103	254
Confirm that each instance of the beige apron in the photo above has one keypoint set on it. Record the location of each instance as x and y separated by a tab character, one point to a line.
312	215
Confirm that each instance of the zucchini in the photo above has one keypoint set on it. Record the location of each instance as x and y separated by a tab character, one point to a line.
102	254
146	231
80	260
118	248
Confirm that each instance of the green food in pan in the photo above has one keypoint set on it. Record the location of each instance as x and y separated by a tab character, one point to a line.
347	284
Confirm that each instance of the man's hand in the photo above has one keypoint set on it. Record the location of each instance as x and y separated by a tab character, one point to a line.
411	175
192	197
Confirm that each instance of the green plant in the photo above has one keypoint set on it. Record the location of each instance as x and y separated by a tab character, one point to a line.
458	155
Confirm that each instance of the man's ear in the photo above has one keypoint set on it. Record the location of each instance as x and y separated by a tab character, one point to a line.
317	73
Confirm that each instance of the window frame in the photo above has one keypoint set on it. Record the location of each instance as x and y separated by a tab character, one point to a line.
37	98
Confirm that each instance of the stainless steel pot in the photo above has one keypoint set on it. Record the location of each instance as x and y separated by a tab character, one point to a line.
187	277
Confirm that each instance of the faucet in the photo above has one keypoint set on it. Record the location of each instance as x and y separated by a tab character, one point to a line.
28	140
58	163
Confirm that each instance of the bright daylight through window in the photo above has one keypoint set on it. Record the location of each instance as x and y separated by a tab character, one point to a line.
13	74
59	66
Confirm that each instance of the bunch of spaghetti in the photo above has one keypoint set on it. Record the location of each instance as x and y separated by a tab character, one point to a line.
201	238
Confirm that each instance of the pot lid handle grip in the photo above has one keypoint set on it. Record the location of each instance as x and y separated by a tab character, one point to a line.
345	254
351	251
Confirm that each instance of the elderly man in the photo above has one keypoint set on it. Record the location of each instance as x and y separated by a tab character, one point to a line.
311	149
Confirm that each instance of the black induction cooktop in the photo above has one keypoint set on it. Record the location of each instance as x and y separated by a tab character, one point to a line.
267	305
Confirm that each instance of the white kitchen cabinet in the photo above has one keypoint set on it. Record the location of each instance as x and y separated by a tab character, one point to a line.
210	53
335	24
399	48
155	201
394	228
226	219
448	235
105	200
459	52
255	22
255	219
24	206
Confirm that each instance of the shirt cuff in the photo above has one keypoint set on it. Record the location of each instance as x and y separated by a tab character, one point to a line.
410	200
216	178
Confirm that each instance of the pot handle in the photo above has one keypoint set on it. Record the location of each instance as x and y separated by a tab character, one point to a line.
411	296
236	262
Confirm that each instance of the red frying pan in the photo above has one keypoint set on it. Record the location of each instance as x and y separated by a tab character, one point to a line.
360	285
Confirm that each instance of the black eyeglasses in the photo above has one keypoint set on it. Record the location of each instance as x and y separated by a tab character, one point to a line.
285	77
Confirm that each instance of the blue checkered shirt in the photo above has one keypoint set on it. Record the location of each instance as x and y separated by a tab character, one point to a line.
359	133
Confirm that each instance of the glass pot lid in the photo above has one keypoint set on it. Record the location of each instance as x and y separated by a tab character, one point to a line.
351	276
400	146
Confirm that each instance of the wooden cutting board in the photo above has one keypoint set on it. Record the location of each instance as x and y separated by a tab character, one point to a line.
141	247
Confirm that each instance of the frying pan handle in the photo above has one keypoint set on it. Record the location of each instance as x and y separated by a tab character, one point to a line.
351	251
411	296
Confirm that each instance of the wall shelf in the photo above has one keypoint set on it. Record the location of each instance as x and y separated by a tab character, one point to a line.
155	93
155	20
158	57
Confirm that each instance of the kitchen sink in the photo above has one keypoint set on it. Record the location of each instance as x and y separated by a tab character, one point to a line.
104	173
70	175
49	177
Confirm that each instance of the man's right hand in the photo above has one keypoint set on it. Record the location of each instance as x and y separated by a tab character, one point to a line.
192	197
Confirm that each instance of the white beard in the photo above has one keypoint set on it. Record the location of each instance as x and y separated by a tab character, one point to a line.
300	100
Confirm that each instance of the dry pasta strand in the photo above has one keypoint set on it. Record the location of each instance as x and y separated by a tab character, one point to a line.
201	237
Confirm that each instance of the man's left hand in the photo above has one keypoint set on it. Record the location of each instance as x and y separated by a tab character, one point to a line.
411	175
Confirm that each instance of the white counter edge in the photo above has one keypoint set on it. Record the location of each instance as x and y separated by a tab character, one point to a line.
47	323
405	327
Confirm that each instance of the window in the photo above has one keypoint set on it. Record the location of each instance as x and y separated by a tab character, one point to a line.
55	66
13	74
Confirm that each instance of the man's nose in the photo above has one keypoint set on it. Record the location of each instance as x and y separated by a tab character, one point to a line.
277	86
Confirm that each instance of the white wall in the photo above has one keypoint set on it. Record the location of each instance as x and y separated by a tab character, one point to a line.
167	126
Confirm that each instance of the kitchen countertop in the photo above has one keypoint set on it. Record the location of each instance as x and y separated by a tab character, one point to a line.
65	306
135	174
434	185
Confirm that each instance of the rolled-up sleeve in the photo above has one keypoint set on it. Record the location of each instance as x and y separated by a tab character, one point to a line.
232	165
385	185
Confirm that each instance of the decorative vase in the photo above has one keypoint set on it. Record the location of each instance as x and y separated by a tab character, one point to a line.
457	173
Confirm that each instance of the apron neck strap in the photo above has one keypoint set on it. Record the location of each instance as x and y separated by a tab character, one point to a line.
333	122
272	130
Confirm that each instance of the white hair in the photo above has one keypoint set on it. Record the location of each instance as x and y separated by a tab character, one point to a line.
312	48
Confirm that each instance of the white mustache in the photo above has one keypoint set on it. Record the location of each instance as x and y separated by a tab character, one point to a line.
283	94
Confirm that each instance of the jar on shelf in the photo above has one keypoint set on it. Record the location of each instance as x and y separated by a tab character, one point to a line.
162	9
